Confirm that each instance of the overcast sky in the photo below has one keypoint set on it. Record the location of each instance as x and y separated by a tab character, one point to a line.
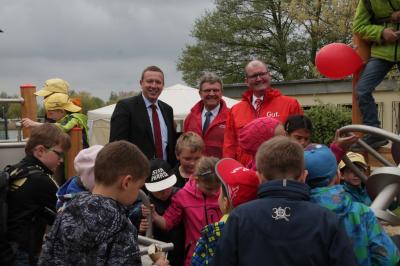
96	45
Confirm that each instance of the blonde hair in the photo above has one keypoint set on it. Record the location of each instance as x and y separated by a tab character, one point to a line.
205	169
189	140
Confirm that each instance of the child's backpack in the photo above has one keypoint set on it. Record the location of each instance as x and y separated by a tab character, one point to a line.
8	176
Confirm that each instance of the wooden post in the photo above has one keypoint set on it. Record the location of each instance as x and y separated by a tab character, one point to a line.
28	107
363	49
76	147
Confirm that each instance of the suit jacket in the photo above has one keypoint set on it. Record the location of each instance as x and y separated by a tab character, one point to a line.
130	121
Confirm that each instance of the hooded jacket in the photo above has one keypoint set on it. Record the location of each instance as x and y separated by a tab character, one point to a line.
372	31
205	247
274	105
75	120
91	230
371	244
283	228
358	194
69	190
31	206
214	135
196	210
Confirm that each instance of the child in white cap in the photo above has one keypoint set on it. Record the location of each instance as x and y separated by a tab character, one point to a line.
161	186
84	179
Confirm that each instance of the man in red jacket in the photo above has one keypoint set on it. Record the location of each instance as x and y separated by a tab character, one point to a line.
208	117
259	100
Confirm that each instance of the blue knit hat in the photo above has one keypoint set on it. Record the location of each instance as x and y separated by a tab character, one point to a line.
321	165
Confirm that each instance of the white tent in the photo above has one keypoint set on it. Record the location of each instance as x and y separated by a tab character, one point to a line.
180	97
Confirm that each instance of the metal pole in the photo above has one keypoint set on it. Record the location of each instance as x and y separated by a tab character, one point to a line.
385	197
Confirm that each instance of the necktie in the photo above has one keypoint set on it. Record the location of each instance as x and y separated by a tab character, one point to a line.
207	122
258	106
157	132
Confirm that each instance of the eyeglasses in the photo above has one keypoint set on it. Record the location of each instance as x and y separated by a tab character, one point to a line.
58	153
208	91
258	75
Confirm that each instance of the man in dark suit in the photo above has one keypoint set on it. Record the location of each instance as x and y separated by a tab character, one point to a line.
146	121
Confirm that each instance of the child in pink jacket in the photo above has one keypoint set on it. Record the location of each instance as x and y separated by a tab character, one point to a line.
196	204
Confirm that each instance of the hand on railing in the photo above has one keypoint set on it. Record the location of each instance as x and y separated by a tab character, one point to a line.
26	122
162	262
345	141
143	226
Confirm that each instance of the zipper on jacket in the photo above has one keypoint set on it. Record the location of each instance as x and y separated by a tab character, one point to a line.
205	208
397	28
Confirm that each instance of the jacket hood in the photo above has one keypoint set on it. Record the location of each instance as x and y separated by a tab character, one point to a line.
268	94
89	220
333	198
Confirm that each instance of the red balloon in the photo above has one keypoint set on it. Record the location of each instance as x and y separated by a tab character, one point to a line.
337	60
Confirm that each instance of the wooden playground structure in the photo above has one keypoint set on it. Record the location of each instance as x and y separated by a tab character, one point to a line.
29	110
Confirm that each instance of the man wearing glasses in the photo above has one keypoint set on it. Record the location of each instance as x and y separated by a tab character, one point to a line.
208	117
259	100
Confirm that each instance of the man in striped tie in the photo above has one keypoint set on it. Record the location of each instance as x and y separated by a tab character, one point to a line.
259	100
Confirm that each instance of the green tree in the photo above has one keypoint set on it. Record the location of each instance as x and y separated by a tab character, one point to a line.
323	21
115	97
237	31
326	119
87	101
286	34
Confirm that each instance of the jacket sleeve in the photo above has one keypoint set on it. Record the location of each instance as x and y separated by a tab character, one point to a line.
186	123
227	246
340	249
68	123
123	251
337	151
230	137
120	121
381	247
45	196
173	215
295	109
362	25
200	251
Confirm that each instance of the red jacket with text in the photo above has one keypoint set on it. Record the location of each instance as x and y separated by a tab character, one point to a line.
214	135
274	105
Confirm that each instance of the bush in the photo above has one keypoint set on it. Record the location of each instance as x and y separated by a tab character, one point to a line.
326	119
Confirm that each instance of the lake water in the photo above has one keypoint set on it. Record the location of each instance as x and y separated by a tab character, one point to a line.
12	134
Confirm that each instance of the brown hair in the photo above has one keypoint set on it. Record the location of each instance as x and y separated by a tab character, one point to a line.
280	158
189	140
48	135
210	77
154	69
120	158
205	169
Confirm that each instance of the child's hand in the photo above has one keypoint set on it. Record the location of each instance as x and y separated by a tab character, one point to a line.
147	211
144	225
26	122
162	261
345	142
